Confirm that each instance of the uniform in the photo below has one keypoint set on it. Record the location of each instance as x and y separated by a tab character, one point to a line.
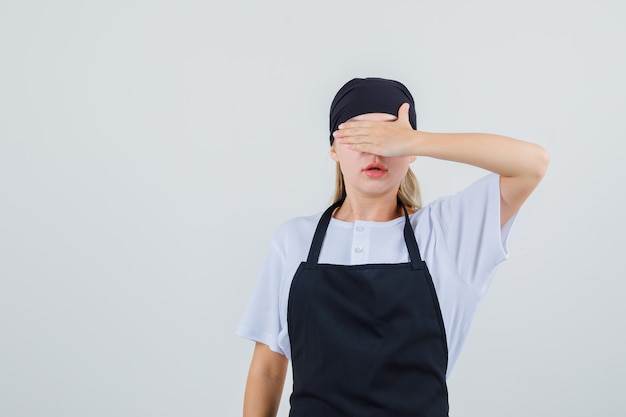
460	242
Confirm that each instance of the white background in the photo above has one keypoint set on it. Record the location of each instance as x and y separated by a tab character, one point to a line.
148	150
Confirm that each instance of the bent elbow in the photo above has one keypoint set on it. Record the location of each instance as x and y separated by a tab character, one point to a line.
541	161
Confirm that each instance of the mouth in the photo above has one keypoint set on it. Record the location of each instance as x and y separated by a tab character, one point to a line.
376	170
375	167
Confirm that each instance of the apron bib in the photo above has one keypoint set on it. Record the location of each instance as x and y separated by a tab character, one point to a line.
366	340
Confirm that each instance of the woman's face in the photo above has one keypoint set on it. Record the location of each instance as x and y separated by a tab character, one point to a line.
370	174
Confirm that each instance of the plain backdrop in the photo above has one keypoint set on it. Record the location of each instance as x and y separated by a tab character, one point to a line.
149	149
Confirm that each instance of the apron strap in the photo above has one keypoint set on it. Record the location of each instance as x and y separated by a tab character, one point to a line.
411	242
320	232
322	225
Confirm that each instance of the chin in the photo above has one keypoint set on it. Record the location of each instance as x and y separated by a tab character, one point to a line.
378	191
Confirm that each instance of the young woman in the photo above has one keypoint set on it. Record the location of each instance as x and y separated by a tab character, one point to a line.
372	299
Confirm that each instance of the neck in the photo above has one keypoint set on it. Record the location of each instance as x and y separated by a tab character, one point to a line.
378	208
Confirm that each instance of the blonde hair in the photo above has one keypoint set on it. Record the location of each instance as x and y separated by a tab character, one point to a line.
408	193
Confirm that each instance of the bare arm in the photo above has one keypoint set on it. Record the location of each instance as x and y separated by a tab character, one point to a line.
521	165
266	379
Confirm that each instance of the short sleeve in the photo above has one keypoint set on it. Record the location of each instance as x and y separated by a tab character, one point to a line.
261	318
470	225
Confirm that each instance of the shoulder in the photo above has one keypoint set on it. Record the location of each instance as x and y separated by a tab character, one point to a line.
477	190
482	192
464	219
297	229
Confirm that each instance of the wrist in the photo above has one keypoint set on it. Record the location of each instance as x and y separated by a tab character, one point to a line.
418	139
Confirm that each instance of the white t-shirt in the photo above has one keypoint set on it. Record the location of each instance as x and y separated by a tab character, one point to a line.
459	238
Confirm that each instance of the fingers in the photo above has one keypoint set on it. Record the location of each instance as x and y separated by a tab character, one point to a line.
349	125
353	140
350	132
360	147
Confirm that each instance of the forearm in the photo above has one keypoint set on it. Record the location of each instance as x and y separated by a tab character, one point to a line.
500	154
262	396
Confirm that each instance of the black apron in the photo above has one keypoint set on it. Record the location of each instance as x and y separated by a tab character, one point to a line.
366	340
